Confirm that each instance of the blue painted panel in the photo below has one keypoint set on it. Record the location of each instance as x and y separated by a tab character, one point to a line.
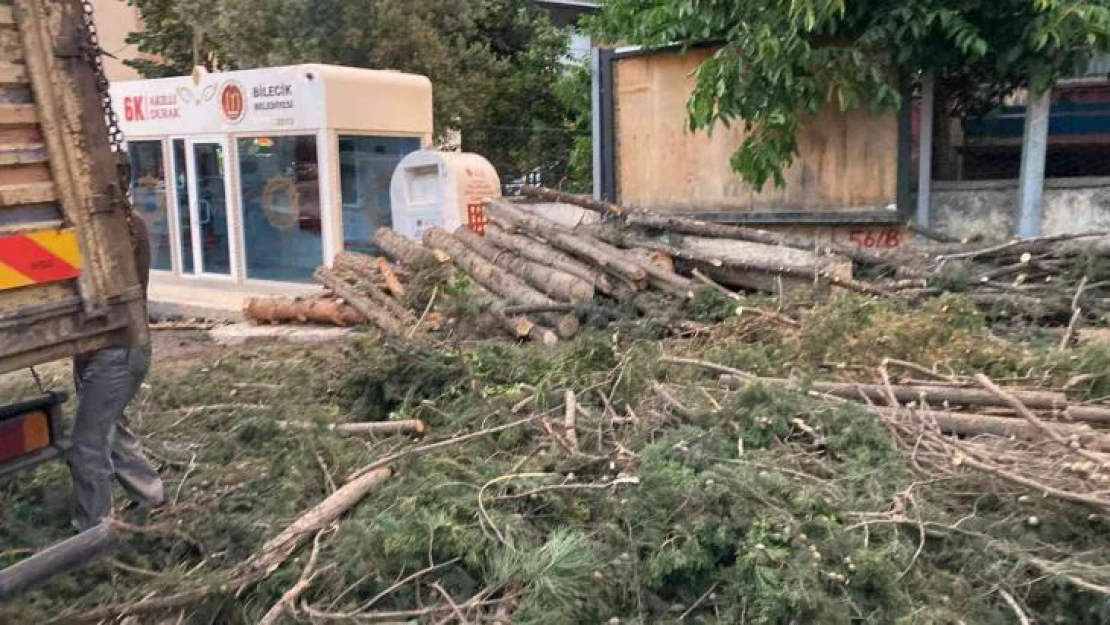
1066	119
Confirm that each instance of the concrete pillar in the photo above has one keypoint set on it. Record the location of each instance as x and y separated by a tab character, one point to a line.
1033	150
925	154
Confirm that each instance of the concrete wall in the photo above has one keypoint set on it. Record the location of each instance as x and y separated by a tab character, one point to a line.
114	21
989	208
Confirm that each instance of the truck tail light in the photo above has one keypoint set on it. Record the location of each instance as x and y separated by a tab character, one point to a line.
28	427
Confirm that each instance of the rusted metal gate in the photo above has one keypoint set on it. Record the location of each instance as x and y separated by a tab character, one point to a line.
67	277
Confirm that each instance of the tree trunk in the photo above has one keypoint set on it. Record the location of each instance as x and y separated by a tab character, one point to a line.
263	310
363	268
493	278
259	566
389	276
583	247
1088	414
661	274
515	323
541	253
360	264
366	269
557	284
404	315
661	260
1039	400
939	395
1005	427
532	310
684	225
1034	246
367	428
275	551
585	201
370	309
521	327
761	259
401	249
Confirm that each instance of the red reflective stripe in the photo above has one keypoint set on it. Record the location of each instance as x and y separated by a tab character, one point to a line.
32	260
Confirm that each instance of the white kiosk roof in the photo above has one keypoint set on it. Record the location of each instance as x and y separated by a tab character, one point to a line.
276	99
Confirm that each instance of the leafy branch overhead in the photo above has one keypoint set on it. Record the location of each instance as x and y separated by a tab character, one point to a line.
779	62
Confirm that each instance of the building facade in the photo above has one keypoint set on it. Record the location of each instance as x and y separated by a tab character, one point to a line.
567	14
116	20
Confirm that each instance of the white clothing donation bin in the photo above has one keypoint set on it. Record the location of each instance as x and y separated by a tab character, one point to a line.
442	189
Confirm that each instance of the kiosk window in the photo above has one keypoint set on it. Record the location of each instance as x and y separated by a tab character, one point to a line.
149	199
281	207
366	167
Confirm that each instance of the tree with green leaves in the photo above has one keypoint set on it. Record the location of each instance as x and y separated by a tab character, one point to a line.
494	64
781	61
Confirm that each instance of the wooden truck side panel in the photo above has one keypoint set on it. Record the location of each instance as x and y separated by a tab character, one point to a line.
60	196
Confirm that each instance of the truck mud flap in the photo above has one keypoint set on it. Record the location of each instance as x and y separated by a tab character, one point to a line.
63	557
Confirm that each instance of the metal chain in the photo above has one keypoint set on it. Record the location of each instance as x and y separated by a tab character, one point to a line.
92	53
38	380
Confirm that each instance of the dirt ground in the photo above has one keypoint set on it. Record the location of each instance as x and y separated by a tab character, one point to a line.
169	346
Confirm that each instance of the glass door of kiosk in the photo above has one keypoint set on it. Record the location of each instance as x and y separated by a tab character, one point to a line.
201	177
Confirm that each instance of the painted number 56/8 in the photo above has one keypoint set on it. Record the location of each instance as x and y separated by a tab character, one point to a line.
885	238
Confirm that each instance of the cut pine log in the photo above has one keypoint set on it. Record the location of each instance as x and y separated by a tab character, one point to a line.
516	324
1052	401
389	276
659	259
1007	427
276	550
583	247
585	201
524	328
353	262
694	227
752	264
557	284
685	225
363	268
495	279
935	395
366	428
661	274
592	250
259	566
263	310
545	255
377	315
402	249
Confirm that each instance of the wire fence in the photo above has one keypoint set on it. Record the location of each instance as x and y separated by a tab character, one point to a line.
552	157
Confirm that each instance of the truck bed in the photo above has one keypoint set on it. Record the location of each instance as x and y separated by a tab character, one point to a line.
67	277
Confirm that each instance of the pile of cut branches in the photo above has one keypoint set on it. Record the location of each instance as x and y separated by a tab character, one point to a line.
1059	280
753	472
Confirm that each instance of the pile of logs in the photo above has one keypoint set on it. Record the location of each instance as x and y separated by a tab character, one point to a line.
360	290
534	272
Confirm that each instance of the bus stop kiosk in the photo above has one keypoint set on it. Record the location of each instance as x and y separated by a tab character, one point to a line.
250	180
